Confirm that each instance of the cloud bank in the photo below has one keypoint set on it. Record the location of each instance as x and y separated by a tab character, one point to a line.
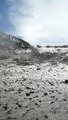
40	21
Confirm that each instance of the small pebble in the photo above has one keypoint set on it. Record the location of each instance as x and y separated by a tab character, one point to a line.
45	94
27	94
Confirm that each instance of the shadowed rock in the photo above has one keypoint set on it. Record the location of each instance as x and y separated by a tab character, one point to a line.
9	43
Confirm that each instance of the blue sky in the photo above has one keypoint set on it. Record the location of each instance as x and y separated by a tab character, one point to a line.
37	21
5	24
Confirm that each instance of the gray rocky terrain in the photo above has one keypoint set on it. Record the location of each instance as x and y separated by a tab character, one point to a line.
33	81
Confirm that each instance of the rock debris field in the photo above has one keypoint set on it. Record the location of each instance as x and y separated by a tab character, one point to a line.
38	91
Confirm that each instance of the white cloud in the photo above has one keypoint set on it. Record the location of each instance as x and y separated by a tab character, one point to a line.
40	20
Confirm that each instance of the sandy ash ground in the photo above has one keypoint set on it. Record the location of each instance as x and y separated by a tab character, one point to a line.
37	91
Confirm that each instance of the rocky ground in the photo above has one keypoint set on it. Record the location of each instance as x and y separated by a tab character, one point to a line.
37	91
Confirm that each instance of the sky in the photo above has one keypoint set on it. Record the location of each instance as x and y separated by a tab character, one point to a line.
43	22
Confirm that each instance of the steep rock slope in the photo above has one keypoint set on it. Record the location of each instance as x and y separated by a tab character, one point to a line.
9	43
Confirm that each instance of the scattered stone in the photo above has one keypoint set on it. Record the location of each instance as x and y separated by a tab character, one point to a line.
5	107
25	113
24	79
66	81
59	92
9	112
51	91
52	96
9	118
37	104
19	105
38	85
40	101
5	83
5	90
64	99
28	88
32	92
27	94
54	111
30	98
51	83
45	94
36	118
38	68
24	92
19	90
46	116
51	102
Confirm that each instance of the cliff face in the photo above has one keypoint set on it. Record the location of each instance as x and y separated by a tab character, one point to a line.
12	41
10	44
